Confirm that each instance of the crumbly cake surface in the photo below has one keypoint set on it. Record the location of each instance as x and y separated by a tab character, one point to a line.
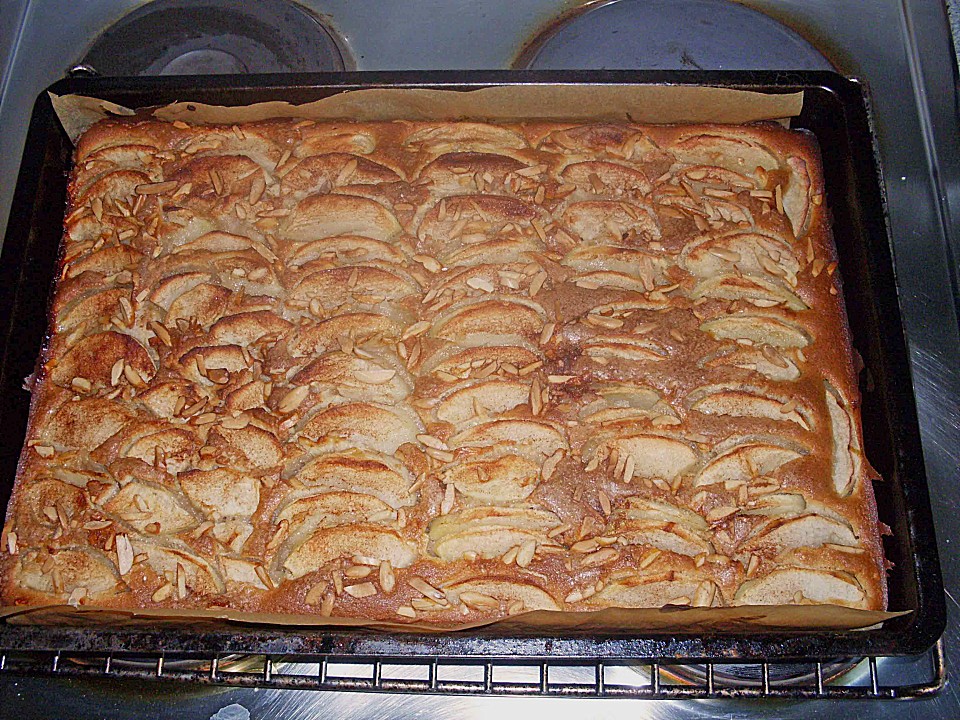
444	372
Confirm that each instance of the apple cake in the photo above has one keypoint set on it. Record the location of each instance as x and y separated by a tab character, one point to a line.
444	372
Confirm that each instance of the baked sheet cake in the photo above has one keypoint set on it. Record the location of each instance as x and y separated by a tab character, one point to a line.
444	372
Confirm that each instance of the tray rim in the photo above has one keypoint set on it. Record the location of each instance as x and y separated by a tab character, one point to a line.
927	621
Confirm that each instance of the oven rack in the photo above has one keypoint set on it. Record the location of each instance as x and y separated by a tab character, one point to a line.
641	678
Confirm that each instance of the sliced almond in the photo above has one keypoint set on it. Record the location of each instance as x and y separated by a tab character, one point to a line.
418	328
375	377
361	590
550	465
721	512
132	376
600	557
547	332
155	188
293	399
449	497
162	593
425	588
326	605
604	502
479	601
264	576
432	442
483	284
388	580
608	323
124	554
356	572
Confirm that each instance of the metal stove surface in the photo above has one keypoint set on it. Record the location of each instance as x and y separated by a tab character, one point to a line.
900	47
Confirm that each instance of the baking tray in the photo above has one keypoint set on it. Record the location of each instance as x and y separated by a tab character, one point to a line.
835	109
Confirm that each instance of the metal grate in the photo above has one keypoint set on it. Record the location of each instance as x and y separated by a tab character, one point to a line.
545	677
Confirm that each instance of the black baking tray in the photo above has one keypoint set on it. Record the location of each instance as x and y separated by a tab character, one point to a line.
835	109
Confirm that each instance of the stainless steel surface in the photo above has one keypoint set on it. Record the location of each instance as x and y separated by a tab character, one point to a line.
667	35
902	48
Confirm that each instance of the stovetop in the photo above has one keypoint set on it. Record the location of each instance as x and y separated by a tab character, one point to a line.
901	48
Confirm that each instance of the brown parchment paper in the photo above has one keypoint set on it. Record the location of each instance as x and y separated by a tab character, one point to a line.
644	104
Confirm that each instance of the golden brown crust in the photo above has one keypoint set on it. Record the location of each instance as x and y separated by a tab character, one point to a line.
444	372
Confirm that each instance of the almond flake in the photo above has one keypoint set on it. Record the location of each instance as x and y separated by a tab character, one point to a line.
315	594
725	254
441	455
162	593
600	557
604	502
326	605
584	546
449	497
388	580
425	588
431	441
527	369
361	590
236	423
96	524
539	279
44	450
375	377
155	188
161	332
124	554
478	283
526	553
279	535
429	263
418	328
610	323
719	513
550	465
789	406
547	332
81	384
293	399
648	559
355	572
536	398
133	376
264	576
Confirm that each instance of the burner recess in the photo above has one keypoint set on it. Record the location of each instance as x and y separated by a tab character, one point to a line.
183	37
669	35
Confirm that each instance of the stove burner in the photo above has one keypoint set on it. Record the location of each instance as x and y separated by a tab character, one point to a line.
181	37
669	35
